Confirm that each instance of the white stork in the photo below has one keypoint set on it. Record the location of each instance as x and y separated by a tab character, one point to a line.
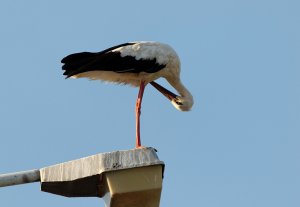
134	63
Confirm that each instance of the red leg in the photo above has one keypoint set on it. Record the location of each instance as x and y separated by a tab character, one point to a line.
138	113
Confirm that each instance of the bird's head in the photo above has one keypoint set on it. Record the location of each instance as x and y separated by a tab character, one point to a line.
182	103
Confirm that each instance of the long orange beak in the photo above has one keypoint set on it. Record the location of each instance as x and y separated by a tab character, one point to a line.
164	91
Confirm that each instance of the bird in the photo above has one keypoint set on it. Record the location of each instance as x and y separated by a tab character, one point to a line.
137	64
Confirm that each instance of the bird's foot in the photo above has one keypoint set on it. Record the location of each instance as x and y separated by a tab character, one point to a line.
140	147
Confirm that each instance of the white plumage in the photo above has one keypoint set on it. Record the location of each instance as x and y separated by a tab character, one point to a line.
162	53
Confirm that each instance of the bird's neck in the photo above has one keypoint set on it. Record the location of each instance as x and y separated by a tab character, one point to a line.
182	90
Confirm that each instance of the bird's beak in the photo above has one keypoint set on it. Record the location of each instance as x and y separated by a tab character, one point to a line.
164	91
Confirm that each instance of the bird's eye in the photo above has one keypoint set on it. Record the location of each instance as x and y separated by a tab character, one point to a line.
178	103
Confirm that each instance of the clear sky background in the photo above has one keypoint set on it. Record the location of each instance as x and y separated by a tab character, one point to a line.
239	146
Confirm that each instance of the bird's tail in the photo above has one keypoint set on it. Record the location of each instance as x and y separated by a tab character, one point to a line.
74	63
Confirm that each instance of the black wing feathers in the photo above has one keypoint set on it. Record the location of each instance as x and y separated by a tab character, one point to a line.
107	61
73	57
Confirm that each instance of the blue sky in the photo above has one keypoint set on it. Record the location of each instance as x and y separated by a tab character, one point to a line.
239	146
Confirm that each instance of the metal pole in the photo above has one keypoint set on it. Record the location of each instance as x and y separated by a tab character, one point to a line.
17	178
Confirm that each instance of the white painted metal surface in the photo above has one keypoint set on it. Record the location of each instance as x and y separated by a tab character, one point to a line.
19	178
99	163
